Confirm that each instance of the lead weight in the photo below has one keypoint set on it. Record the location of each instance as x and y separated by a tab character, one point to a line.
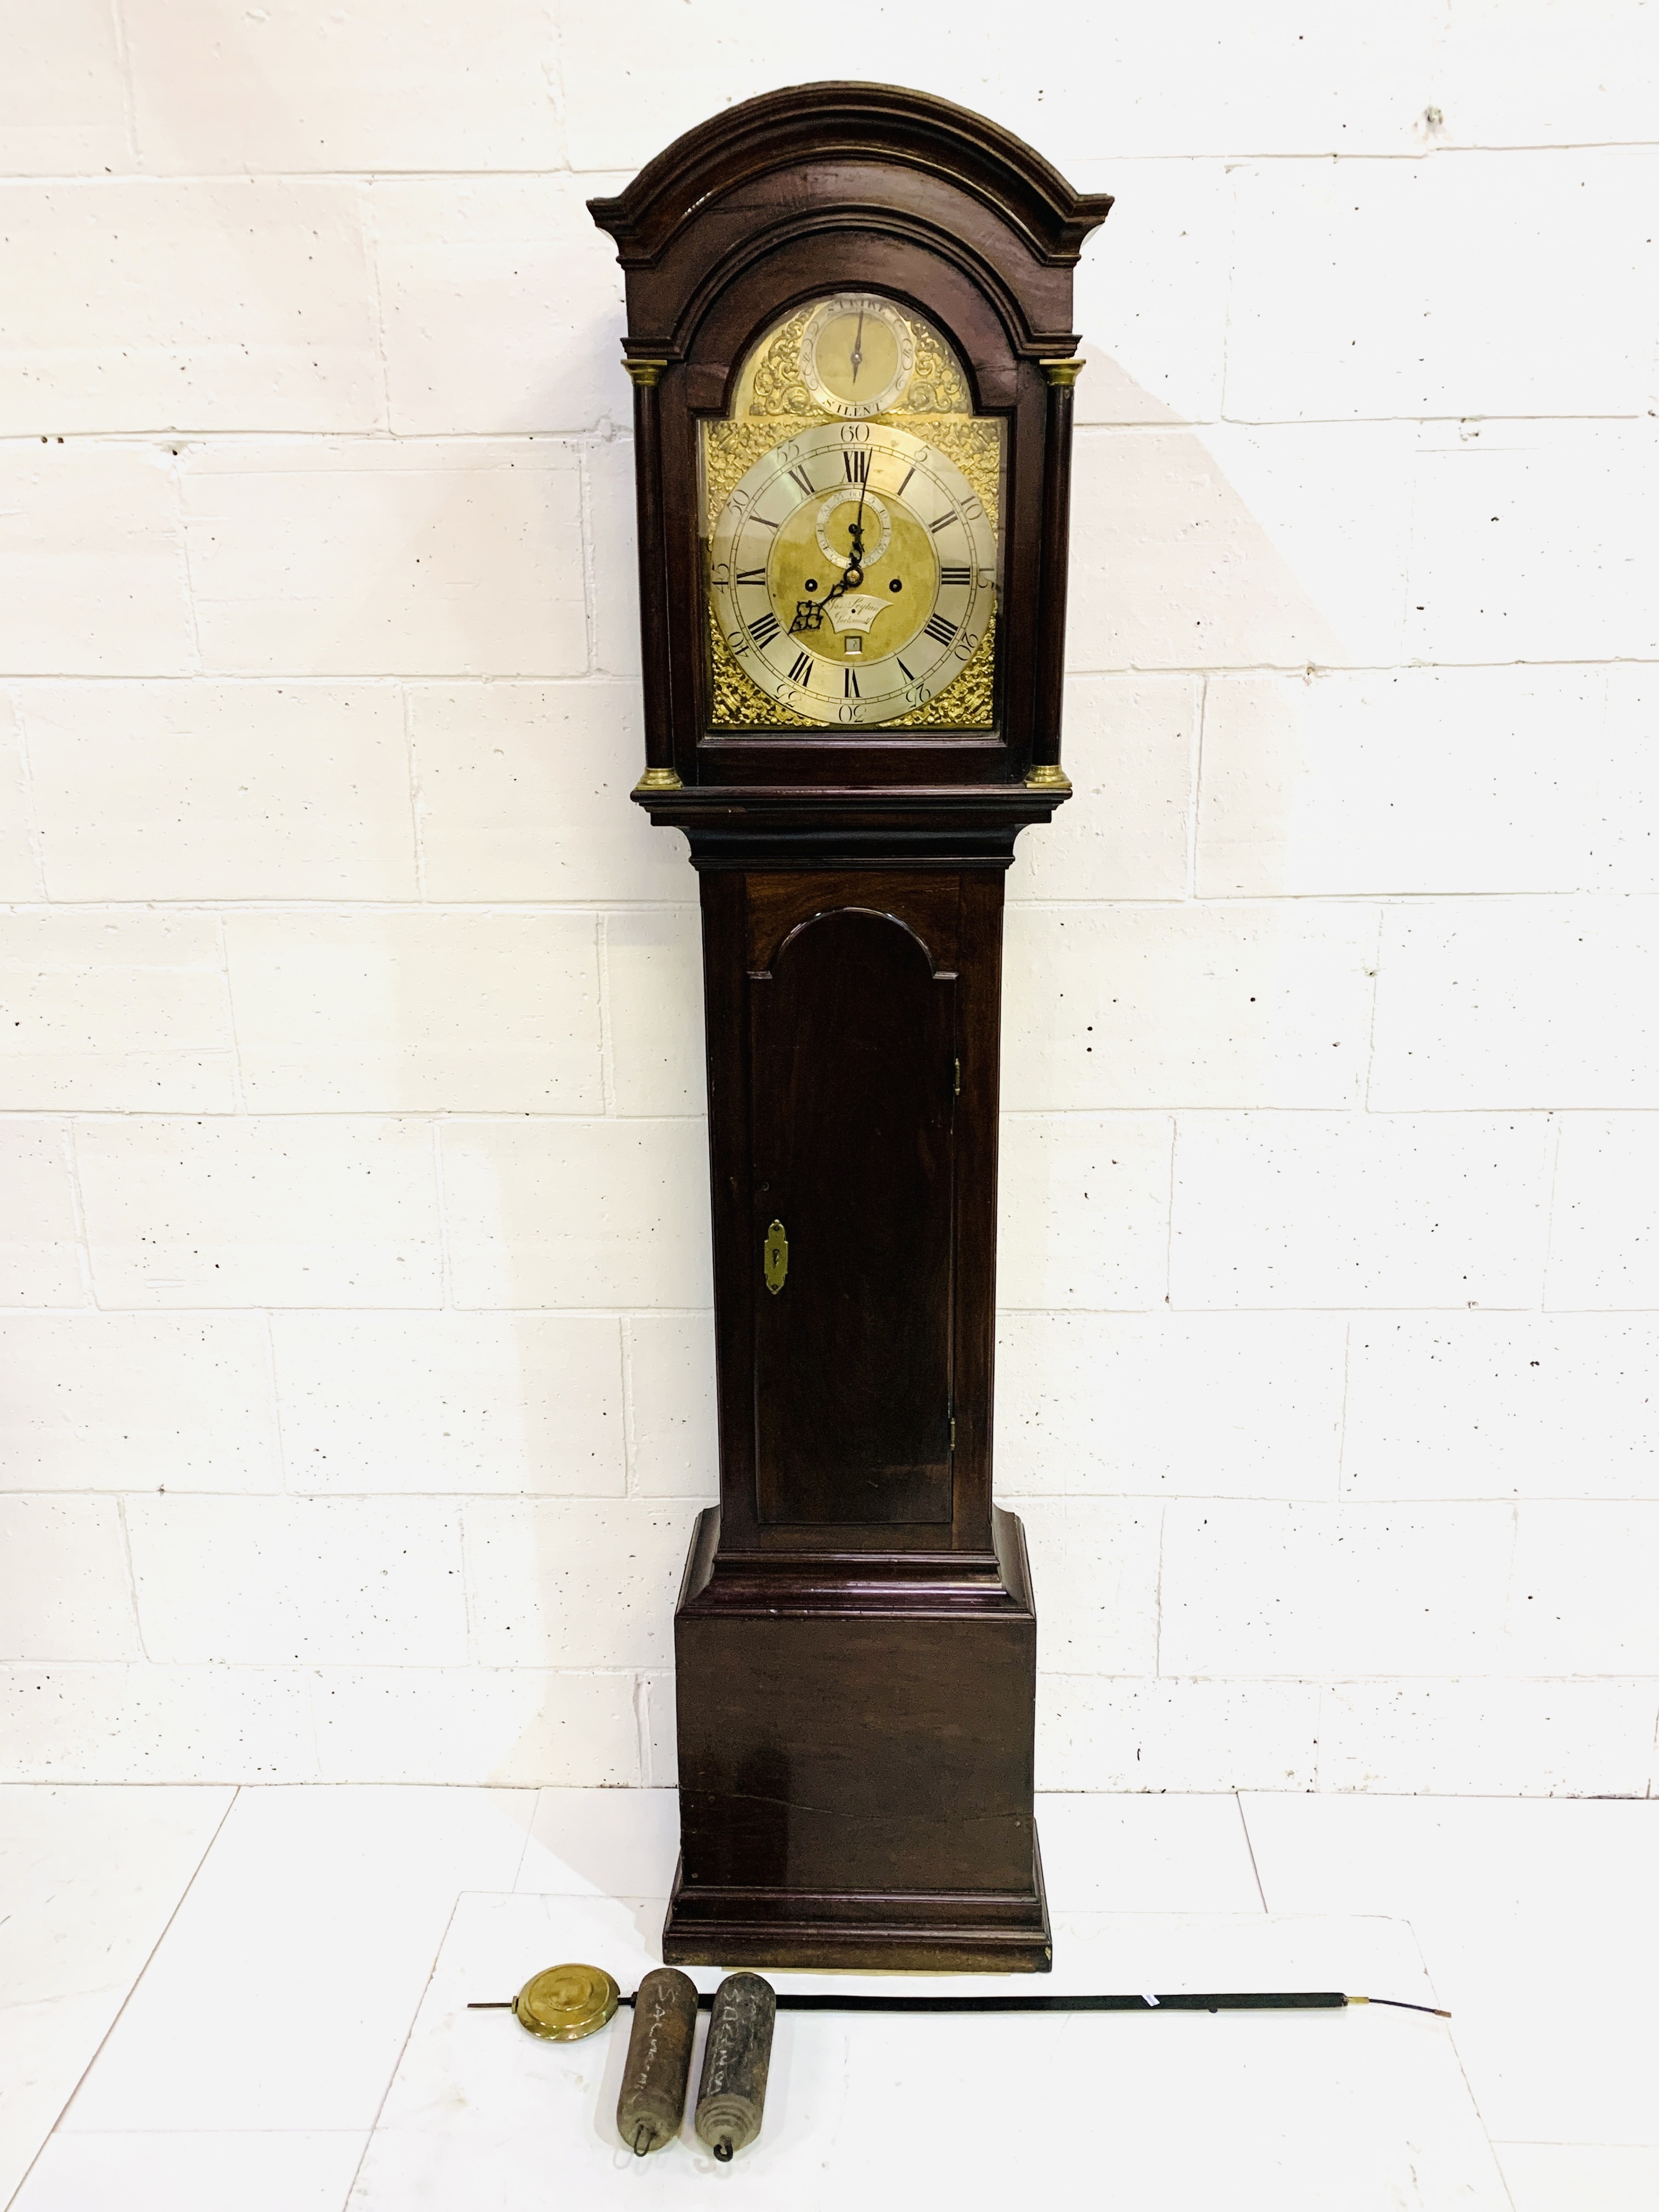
658	2063
731	2095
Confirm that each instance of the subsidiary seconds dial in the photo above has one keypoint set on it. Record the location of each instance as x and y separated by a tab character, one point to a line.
853	573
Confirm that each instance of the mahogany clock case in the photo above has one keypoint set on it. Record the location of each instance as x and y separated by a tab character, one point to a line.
855	1642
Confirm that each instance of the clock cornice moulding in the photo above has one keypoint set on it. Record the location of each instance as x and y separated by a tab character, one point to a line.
867	123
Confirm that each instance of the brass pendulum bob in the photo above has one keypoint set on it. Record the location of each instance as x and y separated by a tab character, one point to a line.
563	2004
731	2095
659	2063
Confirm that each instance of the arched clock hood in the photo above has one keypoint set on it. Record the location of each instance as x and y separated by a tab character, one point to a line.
803	192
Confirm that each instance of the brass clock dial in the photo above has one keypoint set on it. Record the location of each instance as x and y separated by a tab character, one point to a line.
857	353
853	573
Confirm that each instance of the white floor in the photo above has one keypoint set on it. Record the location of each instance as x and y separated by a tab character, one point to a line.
208	1993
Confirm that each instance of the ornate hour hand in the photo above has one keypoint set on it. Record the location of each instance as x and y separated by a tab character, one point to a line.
809	613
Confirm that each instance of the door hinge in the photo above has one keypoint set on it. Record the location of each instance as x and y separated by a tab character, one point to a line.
953	1432
957	1093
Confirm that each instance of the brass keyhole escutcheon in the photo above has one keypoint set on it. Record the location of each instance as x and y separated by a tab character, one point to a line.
775	1257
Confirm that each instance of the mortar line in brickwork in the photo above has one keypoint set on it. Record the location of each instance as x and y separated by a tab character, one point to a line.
132	1577
624	680
1234	178
237	1093
627	681
1337	157
1166	1309
607	1065
1163	1309
412	771
1319	1736
1271	902
1377	993
463	1536
1260	1112
1190	425
274	1379
589	553
268	679
344	908
311	1681
579	437
124	70
31	821
552	66
1405	603
71	1159
1195	783
1551	1177
641	1702
414	1115
1169	1218
369	232
518	1117
447	1283
1320	670
1486	419
370	1306
1218	903
631	1428
186	579
1342	1408
509	1496
1331	156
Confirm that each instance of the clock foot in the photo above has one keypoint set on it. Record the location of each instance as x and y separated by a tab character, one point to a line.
904	1932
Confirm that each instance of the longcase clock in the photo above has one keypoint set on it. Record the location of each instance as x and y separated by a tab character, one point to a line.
849	313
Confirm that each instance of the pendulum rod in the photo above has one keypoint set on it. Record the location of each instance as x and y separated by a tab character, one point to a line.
1218	2001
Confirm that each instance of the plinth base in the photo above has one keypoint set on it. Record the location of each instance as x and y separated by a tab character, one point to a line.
856	1748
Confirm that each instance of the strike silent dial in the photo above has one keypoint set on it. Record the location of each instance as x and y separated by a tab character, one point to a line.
857	355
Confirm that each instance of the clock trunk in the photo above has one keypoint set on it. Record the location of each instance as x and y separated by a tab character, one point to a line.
853	1059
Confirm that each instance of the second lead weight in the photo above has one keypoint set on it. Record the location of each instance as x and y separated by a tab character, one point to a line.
731	2095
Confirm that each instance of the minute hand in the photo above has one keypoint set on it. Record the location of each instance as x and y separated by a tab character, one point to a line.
809	613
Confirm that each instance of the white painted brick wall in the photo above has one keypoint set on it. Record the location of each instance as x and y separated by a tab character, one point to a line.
354	1255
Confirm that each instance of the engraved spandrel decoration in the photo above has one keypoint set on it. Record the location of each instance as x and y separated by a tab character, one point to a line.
737	704
772	387
771	404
